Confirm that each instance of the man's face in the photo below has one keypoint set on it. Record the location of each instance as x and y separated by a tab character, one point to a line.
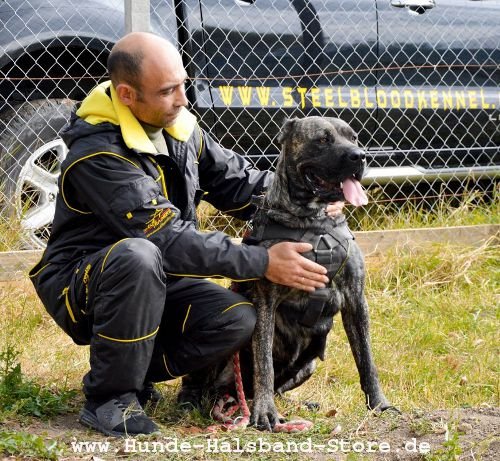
161	95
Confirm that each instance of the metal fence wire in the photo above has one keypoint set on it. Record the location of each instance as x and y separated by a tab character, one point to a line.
417	79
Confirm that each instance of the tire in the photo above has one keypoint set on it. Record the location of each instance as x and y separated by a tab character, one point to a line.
30	164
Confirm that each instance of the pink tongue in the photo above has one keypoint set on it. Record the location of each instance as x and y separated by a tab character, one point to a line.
353	192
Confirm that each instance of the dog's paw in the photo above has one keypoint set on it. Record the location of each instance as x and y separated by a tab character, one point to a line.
382	407
264	414
390	409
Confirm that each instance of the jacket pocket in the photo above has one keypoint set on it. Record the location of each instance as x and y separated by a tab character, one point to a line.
70	298
134	195
68	303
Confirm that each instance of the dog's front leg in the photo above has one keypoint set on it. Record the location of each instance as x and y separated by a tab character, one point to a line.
355	319
264	412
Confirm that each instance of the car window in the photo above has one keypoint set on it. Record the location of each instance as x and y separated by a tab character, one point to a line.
438	83
273	57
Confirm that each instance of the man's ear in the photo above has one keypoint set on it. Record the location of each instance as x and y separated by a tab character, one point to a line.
126	94
286	129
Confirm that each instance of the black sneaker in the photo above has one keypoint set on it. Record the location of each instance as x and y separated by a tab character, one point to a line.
149	394
120	416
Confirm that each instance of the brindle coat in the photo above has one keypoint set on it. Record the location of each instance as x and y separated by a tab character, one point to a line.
317	155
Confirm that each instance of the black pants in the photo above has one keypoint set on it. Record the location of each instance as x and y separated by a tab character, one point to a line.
140	326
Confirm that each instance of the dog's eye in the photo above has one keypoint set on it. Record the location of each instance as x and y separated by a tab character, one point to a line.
324	140
354	138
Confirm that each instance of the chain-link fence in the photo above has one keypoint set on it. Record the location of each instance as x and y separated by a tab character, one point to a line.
417	80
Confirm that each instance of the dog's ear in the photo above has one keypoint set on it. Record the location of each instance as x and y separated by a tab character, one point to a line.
286	129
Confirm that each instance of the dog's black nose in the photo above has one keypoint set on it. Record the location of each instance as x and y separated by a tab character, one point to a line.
357	155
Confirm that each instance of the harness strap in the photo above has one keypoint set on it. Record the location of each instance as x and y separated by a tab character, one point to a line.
331	249
319	298
317	301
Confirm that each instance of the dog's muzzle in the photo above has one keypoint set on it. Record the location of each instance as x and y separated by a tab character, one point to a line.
349	189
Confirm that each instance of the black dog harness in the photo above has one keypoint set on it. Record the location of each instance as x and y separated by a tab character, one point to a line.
331	246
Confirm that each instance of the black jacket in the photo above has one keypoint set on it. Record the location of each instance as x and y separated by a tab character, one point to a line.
112	186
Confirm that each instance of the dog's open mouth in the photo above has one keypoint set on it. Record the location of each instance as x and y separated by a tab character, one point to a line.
350	189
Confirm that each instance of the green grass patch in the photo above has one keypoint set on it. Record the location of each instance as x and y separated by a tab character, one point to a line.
472	207
20	396
28	446
450	451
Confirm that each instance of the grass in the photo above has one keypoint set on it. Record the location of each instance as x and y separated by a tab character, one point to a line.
10	234
28	446
470	207
434	318
24	397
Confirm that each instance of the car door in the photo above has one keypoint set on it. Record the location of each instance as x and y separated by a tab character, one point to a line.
279	58
438	88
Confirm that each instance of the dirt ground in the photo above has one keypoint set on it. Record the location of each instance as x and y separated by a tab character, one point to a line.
461	434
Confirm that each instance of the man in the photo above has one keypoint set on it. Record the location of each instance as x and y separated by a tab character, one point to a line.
121	266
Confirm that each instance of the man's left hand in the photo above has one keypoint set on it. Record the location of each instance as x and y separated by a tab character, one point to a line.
334	209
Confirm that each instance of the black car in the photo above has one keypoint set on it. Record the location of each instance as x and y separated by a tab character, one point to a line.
418	79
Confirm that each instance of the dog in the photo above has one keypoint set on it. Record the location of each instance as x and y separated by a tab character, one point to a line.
320	162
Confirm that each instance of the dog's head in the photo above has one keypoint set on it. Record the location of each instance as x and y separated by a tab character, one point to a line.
322	160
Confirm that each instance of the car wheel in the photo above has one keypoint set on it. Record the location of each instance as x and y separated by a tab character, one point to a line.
30	164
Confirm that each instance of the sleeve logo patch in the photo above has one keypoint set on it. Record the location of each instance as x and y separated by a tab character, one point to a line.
158	219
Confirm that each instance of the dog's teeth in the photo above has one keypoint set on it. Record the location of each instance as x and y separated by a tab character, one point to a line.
341	185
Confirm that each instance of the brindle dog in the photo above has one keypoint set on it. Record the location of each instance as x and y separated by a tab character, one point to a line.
320	162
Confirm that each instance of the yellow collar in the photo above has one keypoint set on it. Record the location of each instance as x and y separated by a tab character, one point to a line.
98	107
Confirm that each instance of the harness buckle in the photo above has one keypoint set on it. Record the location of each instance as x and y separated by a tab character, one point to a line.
325	256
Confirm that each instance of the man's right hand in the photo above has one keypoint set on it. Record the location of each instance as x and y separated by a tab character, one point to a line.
288	267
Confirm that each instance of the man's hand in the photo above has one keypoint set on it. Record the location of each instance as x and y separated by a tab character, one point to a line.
334	209
288	267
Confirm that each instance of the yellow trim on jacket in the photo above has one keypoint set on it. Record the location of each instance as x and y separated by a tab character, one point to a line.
133	340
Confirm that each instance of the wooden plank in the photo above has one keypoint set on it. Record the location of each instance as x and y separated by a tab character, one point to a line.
16	264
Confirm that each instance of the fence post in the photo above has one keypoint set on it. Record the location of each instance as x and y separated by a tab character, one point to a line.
137	16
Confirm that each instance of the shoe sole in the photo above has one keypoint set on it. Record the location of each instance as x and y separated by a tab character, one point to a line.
88	419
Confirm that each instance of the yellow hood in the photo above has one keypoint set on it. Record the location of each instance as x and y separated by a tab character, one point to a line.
98	107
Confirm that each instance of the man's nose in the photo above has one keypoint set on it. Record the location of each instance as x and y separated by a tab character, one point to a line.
181	98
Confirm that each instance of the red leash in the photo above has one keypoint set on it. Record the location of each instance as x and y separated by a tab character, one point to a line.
227	406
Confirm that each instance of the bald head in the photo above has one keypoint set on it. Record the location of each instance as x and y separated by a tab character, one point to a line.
132	56
149	78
